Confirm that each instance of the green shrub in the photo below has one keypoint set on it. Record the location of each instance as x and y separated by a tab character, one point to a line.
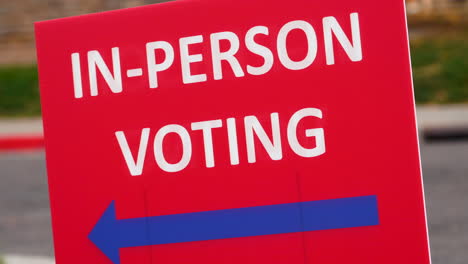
19	93
440	67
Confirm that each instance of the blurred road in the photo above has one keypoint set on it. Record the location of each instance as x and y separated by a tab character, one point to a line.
24	205
25	223
445	168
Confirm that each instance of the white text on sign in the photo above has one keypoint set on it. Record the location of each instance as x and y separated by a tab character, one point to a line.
252	129
156	64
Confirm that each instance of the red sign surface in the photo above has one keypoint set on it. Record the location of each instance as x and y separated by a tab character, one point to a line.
233	132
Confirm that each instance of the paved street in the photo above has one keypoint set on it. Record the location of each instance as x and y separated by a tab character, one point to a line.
24	205
25	224
445	167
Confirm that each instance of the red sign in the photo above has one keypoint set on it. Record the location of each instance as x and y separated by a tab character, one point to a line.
233	132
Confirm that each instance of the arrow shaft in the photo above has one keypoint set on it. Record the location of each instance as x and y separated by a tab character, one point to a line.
251	221
244	222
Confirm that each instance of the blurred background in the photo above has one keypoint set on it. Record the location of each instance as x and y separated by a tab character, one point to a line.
439	46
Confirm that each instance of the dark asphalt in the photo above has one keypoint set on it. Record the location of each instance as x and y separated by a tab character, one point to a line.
25	222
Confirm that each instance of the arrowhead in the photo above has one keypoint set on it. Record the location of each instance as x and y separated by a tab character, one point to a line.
105	234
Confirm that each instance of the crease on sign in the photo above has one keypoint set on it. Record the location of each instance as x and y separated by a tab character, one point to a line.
301	216
147	214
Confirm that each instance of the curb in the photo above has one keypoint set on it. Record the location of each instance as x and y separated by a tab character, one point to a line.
447	133
13	259
21	142
443	122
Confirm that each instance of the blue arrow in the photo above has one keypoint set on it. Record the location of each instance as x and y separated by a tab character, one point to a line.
110	234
